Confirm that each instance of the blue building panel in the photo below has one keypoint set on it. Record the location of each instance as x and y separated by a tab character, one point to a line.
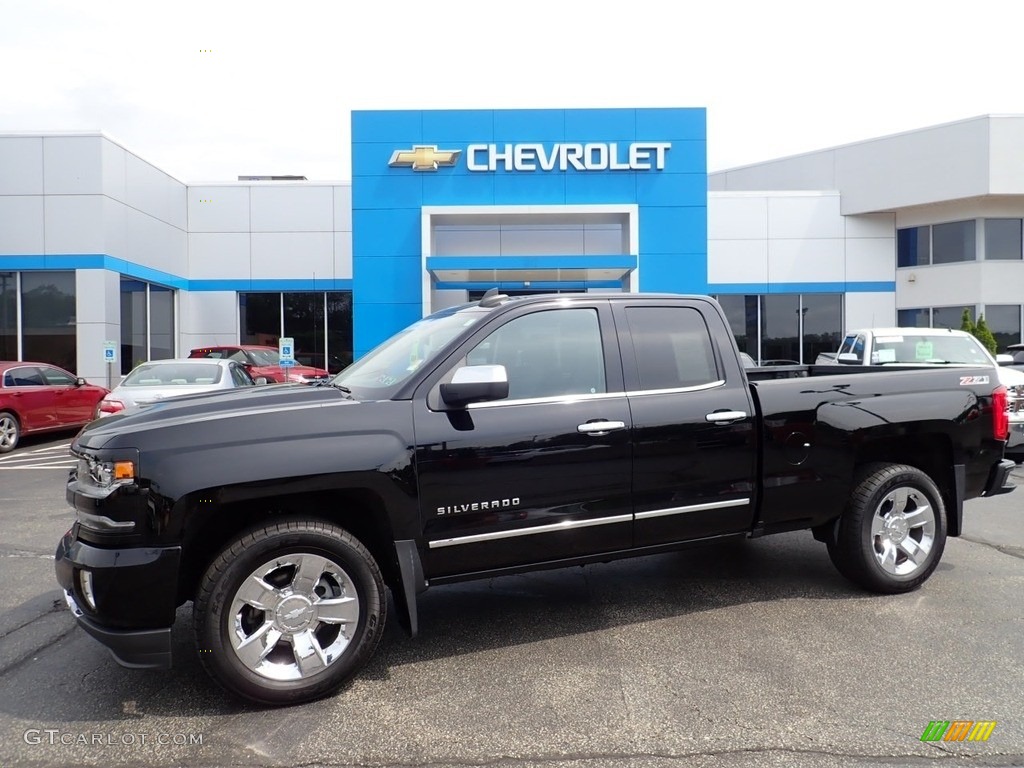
670	192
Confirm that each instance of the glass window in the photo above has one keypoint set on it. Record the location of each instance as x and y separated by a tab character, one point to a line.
823	324
950	317
953	242
57	378
133	324
260	318
181	374
1003	239
547	354
673	347
241	377
912	247
26	376
48	318
161	321
304	322
1004	322
339	330
914	318
8	316
780	328
741	312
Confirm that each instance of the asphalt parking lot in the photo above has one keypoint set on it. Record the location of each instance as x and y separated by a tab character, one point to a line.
750	653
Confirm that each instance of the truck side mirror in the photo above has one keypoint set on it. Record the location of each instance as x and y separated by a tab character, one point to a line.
475	384
847	358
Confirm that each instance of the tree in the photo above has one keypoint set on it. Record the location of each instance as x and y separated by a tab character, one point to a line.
967	324
983	334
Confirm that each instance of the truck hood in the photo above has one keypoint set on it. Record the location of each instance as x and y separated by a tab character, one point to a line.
250	402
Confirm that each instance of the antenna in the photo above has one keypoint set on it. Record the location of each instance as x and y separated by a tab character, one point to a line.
492	298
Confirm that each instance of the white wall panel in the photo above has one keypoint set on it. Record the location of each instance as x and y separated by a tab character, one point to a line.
72	165
154	243
541	242
98	298
871	225
739	217
154	192
869	310
814	170
343	207
208	317
21	165
89	354
805	217
467	242
1002	282
737	261
218	209
292	255
292	209
870	259
114	161
224	255
115	229
74	224
21	224
938	286
806	261
343	255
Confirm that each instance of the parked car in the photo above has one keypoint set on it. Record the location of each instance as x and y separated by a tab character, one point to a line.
1015	355
498	437
939	346
162	379
262	361
39	397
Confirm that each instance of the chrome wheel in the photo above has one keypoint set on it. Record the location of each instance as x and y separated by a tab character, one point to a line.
294	616
9	432
903	531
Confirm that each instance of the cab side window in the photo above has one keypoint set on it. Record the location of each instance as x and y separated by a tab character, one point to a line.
673	347
547	354
24	377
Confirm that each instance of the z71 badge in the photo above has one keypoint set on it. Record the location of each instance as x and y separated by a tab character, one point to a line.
966	381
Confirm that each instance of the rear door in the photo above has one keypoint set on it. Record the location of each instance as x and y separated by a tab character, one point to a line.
543	474
694	437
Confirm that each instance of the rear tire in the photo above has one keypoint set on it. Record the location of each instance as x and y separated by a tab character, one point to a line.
289	612
892	533
10	432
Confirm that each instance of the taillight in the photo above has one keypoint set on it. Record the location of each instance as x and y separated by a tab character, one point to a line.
113	406
1000	420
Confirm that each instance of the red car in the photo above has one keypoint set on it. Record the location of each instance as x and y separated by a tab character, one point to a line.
39	397
262	361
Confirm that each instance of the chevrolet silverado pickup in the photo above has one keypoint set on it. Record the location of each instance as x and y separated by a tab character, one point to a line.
497	437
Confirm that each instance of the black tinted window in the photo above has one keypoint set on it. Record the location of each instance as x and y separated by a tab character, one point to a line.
547	354
673	347
24	377
57	377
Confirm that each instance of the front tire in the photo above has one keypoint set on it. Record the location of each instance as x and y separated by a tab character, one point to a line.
891	536
10	432
289	612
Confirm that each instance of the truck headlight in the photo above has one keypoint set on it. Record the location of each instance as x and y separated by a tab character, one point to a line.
107	474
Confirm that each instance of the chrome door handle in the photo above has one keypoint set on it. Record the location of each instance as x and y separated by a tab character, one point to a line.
724	417
598	428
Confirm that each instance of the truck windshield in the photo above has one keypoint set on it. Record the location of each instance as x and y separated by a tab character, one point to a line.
921	348
386	367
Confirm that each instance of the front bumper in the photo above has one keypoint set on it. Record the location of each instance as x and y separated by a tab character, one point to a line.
135	649
132	597
999	479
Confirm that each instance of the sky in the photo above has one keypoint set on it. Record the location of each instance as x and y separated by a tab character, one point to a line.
208	91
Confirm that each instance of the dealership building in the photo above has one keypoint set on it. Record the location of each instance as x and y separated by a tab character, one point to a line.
98	246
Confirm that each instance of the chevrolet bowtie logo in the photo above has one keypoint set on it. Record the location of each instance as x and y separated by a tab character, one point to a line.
421	158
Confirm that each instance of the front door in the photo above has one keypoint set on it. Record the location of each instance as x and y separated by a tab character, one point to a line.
541	475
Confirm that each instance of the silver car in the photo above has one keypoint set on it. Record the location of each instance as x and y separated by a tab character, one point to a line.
161	379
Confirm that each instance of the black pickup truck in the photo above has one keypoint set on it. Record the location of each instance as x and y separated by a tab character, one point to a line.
496	437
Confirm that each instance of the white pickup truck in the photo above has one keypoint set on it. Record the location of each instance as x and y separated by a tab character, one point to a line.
936	346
